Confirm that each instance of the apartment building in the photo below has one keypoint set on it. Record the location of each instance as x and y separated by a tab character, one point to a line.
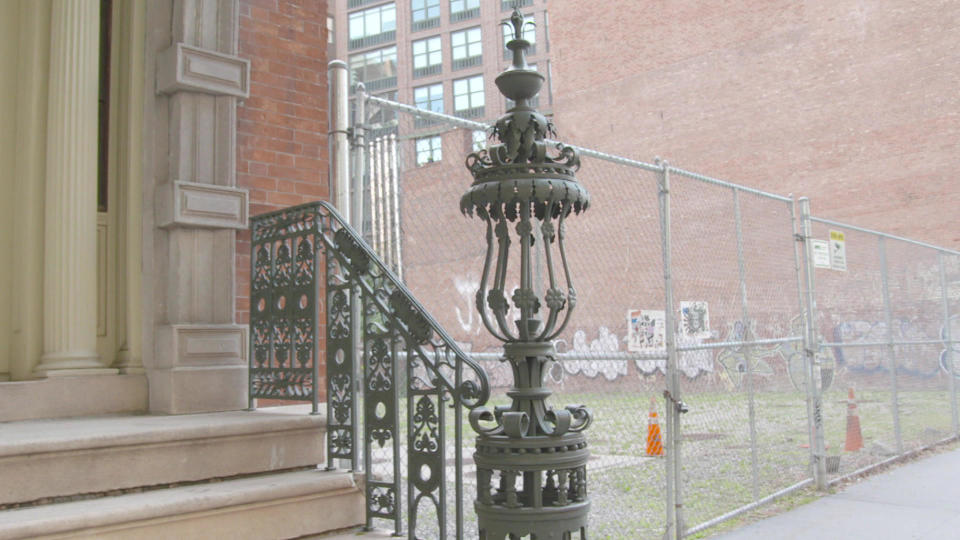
440	55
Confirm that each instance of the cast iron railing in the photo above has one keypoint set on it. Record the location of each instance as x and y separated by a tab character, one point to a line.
365	313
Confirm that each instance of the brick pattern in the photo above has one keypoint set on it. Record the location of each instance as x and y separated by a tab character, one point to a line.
282	127
853	104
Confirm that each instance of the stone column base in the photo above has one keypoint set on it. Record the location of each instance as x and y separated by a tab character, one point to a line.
199	368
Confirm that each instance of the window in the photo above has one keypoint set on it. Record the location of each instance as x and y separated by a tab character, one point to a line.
425	13
468	97
428	150
529	33
427	59
373	26
465	48
377	69
461	10
429	98
479	140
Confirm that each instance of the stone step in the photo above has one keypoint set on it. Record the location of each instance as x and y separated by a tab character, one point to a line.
277	505
42	459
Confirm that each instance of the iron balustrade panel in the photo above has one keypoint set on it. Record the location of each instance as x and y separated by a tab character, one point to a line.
283	310
341	395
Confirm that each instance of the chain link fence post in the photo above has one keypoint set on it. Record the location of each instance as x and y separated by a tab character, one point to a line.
948	347
891	351
800	262
811	346
748	349
674	527
357	177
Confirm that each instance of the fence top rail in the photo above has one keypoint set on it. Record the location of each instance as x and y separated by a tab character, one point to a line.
883	234
620	160
731	185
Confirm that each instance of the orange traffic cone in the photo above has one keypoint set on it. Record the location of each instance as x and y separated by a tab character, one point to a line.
854	437
654	444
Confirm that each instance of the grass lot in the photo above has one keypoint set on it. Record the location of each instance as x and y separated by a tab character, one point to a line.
627	489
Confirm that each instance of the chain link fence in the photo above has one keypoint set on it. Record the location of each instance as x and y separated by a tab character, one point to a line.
768	398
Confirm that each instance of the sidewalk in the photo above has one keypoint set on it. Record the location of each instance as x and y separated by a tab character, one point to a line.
916	500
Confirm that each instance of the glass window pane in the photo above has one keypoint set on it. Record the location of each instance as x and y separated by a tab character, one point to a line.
356	25
389	18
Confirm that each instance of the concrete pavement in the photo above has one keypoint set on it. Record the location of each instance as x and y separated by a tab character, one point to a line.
917	500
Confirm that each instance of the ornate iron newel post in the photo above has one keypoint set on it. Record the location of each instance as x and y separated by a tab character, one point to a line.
531	459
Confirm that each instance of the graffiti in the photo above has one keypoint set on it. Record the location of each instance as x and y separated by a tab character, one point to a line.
951	351
797	361
691	363
875	359
734	359
606	342
467	289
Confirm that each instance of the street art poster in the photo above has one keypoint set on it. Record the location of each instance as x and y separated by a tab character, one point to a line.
695	319
646	330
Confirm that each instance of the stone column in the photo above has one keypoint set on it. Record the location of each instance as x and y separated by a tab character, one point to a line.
194	352
70	224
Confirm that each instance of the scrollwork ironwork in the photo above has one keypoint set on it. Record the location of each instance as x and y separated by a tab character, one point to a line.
288	249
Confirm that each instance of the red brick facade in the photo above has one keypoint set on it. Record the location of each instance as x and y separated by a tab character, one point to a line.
282	126
853	104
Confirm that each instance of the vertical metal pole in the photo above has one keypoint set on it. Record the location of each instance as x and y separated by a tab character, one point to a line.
891	353
395	226
339	177
397	380
458	448
674	528
377	189
747	349
811	347
799	264
948	343
359	159
356	312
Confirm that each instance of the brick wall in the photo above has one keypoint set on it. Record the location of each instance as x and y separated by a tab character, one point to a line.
851	103
282	126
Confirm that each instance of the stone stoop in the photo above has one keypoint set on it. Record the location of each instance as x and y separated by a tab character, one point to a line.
274	506
252	474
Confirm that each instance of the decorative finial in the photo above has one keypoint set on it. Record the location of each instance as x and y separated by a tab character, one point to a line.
523	159
518	45
516	19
